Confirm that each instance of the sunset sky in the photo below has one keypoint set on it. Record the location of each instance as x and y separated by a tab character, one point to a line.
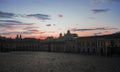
42	18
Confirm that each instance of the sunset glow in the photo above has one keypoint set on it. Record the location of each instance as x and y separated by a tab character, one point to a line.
42	18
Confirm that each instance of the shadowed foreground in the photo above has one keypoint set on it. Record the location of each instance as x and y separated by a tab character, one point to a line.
56	62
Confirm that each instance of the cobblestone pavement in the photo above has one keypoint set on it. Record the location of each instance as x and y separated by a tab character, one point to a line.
57	62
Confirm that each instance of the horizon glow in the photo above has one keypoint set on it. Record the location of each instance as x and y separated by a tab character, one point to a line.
43	18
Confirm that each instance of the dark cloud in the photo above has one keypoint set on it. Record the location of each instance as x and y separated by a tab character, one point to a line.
14	25
42	32
100	10
37	16
6	26
40	16
9	21
98	33
6	15
51	25
60	15
8	33
19	24
91	29
48	25
23	32
10	15
34	30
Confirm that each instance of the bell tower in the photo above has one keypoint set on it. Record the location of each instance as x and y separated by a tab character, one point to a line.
68	32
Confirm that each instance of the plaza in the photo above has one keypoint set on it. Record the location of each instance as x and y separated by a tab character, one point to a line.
57	62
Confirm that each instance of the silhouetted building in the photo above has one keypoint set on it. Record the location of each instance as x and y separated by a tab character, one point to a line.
18	36
67	36
104	45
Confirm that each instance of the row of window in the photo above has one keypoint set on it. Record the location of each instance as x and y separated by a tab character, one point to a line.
100	43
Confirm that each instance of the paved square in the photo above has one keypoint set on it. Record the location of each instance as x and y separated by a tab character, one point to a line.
57	62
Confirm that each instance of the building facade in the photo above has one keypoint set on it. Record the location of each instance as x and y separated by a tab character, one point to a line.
103	45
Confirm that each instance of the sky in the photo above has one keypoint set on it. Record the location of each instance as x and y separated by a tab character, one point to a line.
42	18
